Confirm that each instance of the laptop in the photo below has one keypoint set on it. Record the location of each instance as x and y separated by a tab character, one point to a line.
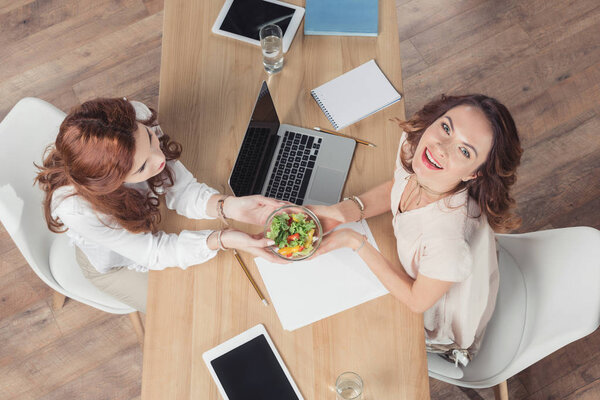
287	162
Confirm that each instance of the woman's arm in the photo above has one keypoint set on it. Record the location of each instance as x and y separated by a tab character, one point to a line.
154	251
419	295
376	201
187	196
157	251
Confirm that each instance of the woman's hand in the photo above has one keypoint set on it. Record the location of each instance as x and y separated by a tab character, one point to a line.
257	245
330	216
251	209
339	239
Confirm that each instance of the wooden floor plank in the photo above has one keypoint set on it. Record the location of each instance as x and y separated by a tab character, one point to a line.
10	261
19	290
89	24
130	76
569	384
39	326
524	78
418	16
584	215
581	142
459	71
9	5
83	62
563	101
480	23
588	392
33	17
67	359
154	6
116	379
551	24
571	186
412	61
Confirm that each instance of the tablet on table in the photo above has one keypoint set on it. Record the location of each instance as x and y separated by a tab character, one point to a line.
248	366
242	19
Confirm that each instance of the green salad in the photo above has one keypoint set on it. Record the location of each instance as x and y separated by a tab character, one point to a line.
293	234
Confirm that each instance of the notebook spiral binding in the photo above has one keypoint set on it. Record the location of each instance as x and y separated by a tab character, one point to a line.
329	117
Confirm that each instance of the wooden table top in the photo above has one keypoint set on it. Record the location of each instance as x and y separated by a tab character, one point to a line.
208	86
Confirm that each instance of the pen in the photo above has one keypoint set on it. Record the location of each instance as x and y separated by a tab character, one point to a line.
239	259
316	128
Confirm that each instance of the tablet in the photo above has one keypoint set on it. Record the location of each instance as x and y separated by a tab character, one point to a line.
242	19
248	366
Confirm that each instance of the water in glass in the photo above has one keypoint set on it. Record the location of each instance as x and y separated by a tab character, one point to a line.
348	390
272	53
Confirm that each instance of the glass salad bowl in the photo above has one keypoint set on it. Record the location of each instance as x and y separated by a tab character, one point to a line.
296	231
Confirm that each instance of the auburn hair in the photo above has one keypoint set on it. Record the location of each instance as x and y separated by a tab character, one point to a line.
491	187
93	153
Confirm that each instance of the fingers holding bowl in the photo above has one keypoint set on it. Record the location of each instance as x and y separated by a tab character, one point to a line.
296	231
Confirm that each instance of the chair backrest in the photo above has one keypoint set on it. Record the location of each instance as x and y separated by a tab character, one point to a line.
561	268
25	132
549	296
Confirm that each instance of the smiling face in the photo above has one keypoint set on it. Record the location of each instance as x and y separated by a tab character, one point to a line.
452	148
148	159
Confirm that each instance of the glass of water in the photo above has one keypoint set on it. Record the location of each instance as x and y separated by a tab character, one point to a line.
271	42
349	386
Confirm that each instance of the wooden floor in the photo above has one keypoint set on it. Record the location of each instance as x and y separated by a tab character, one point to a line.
540	57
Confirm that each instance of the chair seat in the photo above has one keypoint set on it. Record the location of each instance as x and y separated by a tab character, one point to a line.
505	330
67	273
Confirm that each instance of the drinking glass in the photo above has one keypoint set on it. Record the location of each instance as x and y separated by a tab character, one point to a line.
271	42
349	386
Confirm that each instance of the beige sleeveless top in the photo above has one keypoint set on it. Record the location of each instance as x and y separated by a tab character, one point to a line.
449	240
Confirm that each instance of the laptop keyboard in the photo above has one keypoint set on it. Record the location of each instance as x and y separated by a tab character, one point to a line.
293	167
249	157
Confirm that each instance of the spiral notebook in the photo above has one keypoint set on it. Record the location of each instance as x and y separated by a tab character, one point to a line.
355	95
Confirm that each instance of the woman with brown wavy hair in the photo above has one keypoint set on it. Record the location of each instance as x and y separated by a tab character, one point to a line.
102	179
455	165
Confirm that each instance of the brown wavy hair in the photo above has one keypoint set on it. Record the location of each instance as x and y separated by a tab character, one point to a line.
491	187
94	152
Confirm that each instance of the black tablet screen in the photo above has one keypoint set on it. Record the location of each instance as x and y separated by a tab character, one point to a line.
251	372
246	17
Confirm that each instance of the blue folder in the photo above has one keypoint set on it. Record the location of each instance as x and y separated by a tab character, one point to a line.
341	17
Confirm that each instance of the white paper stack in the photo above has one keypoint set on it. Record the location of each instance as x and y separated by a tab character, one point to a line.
304	292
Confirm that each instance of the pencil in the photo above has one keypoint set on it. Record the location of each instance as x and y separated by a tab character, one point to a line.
316	128
239	259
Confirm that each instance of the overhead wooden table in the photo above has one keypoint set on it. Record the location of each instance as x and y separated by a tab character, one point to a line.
208	86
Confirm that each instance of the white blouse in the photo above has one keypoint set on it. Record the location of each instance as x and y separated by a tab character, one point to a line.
449	240
113	246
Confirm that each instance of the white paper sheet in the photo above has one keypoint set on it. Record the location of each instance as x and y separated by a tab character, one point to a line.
304	292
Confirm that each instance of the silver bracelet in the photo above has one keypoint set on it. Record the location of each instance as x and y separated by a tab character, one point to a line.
364	241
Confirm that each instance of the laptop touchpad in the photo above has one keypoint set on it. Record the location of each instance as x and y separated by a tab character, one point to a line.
327	185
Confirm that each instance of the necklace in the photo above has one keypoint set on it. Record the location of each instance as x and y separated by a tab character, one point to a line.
421	188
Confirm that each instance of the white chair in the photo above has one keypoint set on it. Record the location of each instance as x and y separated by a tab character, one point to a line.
28	128
549	296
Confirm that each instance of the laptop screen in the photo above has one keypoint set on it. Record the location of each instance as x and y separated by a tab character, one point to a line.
255	155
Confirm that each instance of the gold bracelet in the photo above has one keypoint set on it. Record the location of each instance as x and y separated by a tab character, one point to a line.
220	241
359	204
220	213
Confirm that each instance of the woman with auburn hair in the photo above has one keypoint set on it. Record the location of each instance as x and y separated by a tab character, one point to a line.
454	168
102	178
